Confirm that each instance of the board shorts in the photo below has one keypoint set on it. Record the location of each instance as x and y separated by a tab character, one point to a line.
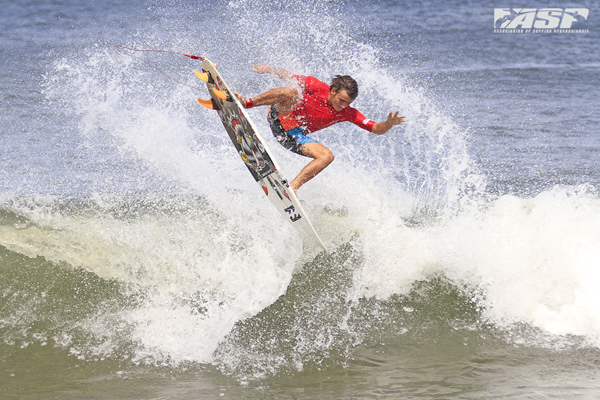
292	138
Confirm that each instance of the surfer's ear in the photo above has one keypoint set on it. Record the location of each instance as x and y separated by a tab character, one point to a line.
333	91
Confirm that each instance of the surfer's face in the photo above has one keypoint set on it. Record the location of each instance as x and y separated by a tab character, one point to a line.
339	99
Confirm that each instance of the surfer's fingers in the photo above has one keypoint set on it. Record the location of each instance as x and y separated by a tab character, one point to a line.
396	119
260	68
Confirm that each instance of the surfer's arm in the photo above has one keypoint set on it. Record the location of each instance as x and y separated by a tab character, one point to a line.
284	98
265	68
393	119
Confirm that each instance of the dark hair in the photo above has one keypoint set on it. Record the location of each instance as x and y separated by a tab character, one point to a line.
345	82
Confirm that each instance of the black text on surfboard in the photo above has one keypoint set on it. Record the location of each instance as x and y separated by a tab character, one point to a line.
292	212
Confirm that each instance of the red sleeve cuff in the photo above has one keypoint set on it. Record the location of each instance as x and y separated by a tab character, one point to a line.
368	124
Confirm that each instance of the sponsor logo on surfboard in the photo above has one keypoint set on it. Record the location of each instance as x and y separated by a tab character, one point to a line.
292	212
267	173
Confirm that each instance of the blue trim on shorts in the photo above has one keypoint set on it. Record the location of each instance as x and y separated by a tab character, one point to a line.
298	134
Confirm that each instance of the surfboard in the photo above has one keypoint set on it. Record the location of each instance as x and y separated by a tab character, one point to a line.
254	151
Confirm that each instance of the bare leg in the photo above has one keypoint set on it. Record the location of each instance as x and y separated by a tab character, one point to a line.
322	158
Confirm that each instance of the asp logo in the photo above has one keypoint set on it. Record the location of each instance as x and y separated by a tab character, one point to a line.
540	20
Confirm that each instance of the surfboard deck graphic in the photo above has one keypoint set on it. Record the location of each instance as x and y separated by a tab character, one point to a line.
254	151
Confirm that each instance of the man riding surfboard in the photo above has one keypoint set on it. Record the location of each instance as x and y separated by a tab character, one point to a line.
309	105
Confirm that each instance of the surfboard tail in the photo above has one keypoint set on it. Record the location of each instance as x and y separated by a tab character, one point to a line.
220	94
203	76
210	104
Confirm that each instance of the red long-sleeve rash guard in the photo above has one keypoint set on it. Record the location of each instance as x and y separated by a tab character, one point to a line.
314	112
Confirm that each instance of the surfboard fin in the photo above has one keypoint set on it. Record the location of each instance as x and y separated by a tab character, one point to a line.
210	104
220	94
203	76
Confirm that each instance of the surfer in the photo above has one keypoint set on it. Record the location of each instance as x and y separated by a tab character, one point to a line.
309	105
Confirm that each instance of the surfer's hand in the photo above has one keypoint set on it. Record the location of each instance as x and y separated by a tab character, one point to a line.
395	119
379	128
241	98
246	102
263	68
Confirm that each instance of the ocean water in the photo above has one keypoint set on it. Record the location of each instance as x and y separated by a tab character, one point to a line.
138	259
